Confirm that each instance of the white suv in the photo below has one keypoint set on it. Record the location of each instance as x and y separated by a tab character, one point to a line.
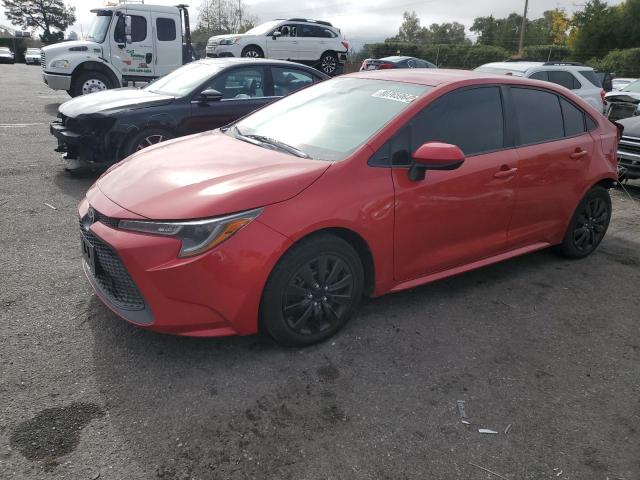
575	76
312	42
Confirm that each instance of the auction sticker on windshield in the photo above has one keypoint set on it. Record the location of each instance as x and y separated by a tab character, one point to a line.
394	95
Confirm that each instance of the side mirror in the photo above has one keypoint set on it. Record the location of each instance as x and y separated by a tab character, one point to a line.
127	28
210	95
434	156
275	35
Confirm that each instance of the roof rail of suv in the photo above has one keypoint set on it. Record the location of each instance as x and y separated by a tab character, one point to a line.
321	22
562	64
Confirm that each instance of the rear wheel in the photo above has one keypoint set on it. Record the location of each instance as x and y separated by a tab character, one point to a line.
90	82
588	225
329	63
146	138
313	291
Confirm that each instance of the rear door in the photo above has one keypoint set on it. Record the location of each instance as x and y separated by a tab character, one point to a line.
168	42
554	151
244	89
452	218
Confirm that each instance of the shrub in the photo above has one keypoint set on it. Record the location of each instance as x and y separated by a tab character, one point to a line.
624	63
546	53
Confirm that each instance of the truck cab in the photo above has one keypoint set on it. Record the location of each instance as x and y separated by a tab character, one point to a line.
126	43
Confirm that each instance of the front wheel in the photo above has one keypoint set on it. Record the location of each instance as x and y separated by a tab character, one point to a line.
588	225
90	82
146	138
313	291
252	52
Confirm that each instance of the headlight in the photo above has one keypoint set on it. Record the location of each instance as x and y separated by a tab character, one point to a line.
229	41
197	236
60	64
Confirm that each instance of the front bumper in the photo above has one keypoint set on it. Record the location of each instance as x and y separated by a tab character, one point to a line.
56	81
87	148
214	294
7	60
222	51
32	60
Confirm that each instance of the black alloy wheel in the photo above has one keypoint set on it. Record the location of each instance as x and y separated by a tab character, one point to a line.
588	225
313	291
329	63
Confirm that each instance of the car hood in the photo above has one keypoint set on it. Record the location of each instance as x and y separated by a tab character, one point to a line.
206	175
120	98
623	96
233	35
4	54
631	126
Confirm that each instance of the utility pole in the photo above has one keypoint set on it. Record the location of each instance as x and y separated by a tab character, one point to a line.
523	28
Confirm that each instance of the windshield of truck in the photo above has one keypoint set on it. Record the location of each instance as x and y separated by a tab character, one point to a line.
263	28
99	26
184	80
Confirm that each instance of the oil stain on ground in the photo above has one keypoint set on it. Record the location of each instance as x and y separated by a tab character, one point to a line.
54	431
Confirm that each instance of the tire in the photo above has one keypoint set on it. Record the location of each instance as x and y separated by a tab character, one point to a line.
252	52
90	82
588	225
146	138
329	63
312	292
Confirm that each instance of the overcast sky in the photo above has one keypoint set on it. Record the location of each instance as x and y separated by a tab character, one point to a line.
363	19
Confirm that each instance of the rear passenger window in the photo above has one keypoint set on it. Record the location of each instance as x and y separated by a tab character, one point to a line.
166	29
564	78
471	119
288	80
573	119
538	113
540	76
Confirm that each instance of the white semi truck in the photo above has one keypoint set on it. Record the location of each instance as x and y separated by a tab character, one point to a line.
126	43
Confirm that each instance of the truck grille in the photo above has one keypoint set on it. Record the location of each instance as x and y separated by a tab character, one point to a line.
43	60
629	153
111	274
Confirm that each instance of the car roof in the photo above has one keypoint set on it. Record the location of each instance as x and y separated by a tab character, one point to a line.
523	67
232	61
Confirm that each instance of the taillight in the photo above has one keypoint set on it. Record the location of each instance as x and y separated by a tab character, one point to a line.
345	45
384	66
602	94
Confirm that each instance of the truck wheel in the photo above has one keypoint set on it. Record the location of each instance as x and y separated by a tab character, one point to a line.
90	82
146	138
252	52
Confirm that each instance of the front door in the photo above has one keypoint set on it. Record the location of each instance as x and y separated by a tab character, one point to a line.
134	57
243	89
452	218
286	46
168	42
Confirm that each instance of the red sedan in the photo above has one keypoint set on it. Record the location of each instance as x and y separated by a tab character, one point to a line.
365	184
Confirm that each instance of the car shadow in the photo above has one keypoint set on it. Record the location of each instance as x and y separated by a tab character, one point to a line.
52	109
75	186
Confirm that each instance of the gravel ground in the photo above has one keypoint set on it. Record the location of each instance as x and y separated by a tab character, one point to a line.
548	346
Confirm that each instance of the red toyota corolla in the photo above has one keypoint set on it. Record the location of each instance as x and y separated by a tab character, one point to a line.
365	184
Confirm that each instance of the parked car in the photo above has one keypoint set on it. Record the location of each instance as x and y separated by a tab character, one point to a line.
395	62
582	80
619	83
98	130
623	103
368	183
6	55
32	56
629	148
312	42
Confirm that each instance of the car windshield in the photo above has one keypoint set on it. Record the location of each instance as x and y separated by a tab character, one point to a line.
184	80
263	28
99	26
331	120
633	87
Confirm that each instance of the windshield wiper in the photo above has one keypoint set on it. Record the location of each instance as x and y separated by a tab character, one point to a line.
273	142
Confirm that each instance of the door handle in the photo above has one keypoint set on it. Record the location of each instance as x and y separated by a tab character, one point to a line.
295	41
505	172
148	58
579	153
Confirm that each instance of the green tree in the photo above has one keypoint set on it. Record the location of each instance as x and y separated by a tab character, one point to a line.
596	29
46	15
444	33
410	30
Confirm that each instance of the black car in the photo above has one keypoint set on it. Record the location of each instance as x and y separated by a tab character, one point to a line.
395	62
629	149
99	129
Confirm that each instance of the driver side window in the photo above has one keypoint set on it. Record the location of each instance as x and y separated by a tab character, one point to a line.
240	83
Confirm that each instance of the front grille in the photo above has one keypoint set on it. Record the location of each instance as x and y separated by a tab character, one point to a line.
111	275
629	145
629	153
43	61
